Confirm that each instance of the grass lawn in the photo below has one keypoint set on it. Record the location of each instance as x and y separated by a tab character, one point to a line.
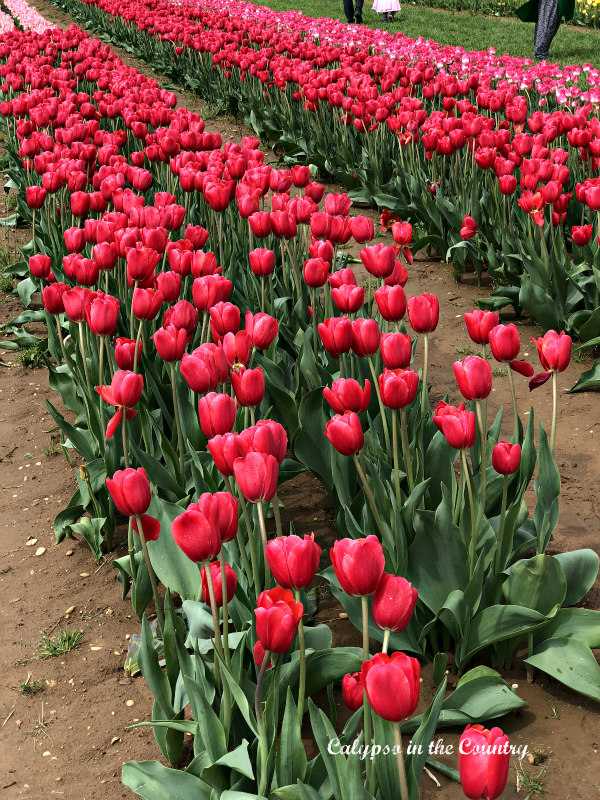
507	35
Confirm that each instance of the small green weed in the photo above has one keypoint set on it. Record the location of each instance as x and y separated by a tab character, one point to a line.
31	357
65	641
29	687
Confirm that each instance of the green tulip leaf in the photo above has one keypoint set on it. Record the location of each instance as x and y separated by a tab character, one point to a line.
173	568
576	623
538	583
290	765
150	780
571	662
581	569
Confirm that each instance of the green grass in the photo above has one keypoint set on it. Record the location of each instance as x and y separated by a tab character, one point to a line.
31	357
65	641
29	687
507	35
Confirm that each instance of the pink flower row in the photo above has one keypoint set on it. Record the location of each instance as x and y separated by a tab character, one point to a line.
27	16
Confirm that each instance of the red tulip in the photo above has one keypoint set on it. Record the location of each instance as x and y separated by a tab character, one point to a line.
217	581
35	196
358	564
293	561
315	272
340	277
196	535
259	653
392	685
379	259
398	388
348	299
256	475
459	429
423	312
346	394
268	437
506	458
74	240
236	348
365	336
479	324
352	691
125	389
393	603
277	619
52	297
474	377
396	350
217	414
130	491
345	433
80	204
483	761
146	303
199	371
262	261
170	342
102	315
402	233
505	342
581	235
468	228
210	290
141	262
40	266
362	229
554	350
105	255
125	352
336	335
225	449
262	329
224	318
248	385
221	508
391	302
169	285
260	224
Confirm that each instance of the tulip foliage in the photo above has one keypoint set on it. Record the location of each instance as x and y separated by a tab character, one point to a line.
200	371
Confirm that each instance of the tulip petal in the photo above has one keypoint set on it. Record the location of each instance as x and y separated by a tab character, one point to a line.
114	423
539	380
150	527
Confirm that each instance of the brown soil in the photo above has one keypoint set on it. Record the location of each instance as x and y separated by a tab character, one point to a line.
71	738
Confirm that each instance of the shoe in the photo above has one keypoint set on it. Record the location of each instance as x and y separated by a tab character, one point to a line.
350	21
391	18
359	19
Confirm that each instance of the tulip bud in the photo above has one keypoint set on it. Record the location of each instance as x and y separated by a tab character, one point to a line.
277	619
394	602
504	342
423	312
358	564
345	433
506	458
217	581
196	535
130	491
396	350
217	414
352	691
293	561
474	377
392	685
483	762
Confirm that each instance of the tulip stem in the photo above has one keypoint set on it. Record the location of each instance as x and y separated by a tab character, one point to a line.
314	322
342	371
424	391
302	647
84	359
514	403
124	438
225	607
177	422
386	640
369	495
406	450
250	533
501	527
386	433
137	345
101	379
459	497
400	757
203	331
396	460
554	410
217	628
482	465
131	314
262	734
131	551
240	541
473	543
151	575
277	514
263	536
65	355
364	600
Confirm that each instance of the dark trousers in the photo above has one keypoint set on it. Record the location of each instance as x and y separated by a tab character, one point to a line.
352	8
546	27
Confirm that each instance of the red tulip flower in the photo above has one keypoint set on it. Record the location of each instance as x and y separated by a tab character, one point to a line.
217	581
196	535
267	436
396	350
393	603
457	425
315	272
130	491
398	388
125	352
256	475
225	450
352	691
362	229
261	328
391	302
248	385
506	458
35	196
402	233
379	259
293	561
468	228
336	335
358	564
124	392
365	336
581	234
423	312
102	315
483	761
554	350
474	377
392	685
345	433
505	342
146	303
40	266
170	343
277	619
479	324
217	414
348	299
262	261
346	394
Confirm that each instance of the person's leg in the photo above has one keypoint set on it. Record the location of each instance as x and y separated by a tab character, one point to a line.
546	27
358	10
349	10
384	16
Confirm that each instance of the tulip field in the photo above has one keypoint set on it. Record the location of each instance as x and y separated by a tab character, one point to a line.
210	337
